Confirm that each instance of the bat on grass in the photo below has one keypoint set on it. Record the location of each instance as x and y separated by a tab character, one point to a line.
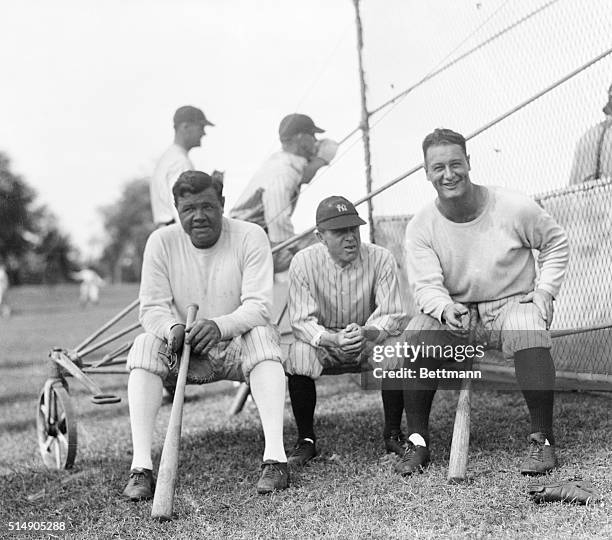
163	500
457	465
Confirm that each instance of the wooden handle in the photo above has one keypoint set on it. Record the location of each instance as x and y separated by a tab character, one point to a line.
163	500
457	465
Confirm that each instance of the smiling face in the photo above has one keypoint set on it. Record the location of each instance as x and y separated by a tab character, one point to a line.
201	216
448	169
342	244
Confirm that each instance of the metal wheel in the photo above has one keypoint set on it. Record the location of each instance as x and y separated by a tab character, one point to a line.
56	426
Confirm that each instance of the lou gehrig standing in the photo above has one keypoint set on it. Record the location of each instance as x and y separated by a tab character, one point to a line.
189	128
473	246
225	266
272	194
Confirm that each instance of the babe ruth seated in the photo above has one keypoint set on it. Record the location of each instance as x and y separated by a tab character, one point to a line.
473	247
224	266
343	300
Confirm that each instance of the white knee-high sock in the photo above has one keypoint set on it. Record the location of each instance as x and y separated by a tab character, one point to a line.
144	397
267	381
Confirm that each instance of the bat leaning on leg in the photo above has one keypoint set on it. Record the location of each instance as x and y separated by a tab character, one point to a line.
163	501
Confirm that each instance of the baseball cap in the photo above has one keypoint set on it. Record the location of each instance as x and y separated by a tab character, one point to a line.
192	115
295	123
336	212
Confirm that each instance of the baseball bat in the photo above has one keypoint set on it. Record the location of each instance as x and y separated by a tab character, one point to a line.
163	500
457	465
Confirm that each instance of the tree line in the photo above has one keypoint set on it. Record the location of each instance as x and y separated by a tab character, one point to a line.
35	250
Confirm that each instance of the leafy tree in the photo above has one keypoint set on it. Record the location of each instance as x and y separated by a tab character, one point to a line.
31	243
16	218
128	224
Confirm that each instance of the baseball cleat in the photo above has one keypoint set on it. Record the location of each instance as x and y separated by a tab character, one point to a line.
303	451
415	459
274	477
541	457
395	443
140	485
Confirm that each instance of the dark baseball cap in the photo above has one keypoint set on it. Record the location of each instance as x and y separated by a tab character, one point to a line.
191	115
336	212
295	123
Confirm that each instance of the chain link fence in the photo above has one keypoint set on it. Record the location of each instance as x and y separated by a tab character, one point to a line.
534	150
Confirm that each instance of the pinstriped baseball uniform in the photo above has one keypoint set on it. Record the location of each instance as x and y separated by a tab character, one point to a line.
270	198
231	282
487	261
324	296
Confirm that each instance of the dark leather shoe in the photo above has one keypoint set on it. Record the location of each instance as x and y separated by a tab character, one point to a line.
140	485
395	443
415	460
541	457
302	453
274	477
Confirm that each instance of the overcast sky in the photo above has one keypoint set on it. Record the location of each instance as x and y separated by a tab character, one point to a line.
89	89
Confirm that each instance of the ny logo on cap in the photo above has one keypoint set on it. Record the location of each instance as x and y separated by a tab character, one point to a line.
341	208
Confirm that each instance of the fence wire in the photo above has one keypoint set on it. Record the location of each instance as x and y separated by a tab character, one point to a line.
533	151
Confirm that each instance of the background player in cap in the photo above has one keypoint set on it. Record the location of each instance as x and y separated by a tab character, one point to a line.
343	300
473	246
593	154
270	197
189	128
224	266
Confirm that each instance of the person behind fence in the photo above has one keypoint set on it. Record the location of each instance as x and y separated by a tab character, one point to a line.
225	267
343	300
473	247
272	194
593	154
189	127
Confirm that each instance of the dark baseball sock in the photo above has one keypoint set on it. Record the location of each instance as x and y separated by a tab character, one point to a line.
303	394
535	374
393	405
418	397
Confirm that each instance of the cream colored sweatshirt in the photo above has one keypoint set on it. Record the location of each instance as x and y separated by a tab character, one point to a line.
231	282
488	258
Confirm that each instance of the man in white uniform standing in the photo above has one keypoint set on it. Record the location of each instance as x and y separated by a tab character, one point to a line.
272	194
189	128
225	267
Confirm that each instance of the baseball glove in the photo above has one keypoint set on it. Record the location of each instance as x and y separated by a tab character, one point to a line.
577	492
326	150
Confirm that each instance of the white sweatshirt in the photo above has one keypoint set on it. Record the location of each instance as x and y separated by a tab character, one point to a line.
231	282
488	258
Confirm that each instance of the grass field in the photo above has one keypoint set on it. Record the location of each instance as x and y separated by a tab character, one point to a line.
350	491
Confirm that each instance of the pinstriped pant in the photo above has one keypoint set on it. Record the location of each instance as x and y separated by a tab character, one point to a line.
232	359
305	359
503	324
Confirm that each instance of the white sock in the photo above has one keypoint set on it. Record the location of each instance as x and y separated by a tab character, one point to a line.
144	397
546	443
417	440
267	381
